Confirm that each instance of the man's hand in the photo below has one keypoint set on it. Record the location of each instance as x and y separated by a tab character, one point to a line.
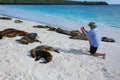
82	28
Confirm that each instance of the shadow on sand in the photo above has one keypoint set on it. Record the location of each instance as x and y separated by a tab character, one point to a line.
74	51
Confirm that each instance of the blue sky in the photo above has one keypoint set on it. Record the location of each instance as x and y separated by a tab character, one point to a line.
108	1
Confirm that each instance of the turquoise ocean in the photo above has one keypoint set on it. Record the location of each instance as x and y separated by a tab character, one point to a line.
66	16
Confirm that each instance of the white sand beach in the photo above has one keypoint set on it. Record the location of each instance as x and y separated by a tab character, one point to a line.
72	63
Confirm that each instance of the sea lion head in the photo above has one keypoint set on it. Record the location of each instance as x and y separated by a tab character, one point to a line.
56	50
33	35
33	53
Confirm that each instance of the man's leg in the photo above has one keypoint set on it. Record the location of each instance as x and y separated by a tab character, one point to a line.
93	52
100	54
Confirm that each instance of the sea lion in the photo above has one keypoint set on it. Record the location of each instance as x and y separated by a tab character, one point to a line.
32	53
1	36
30	38
46	55
52	29
10	32
6	18
78	37
22	33
41	26
46	48
7	32
18	21
106	39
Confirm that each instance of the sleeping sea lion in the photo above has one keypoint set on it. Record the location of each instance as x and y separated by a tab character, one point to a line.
106	39
22	33
46	48
10	32
46	55
30	38
6	18
18	21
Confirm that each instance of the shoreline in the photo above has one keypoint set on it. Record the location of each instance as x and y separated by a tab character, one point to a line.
58	19
71	63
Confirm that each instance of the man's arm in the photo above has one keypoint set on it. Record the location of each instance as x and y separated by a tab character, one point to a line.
84	31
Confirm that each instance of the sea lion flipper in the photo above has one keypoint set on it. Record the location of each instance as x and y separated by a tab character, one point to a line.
37	58
1	36
18	40
44	62
38	40
57	51
22	42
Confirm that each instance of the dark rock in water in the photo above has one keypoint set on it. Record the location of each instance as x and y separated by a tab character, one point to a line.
106	39
6	18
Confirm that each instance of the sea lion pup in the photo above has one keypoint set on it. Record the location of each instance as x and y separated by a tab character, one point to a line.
46	55
18	21
46	48
10	32
30	38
